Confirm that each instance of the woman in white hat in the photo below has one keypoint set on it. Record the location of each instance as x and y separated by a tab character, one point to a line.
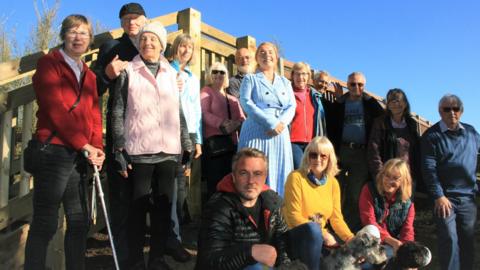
149	131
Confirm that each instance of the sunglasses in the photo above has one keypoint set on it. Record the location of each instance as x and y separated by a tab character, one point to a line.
449	109
314	155
356	84
218	71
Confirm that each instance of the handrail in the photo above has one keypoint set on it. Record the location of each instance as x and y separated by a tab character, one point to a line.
16	124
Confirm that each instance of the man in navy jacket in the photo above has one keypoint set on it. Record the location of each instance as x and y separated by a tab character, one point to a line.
449	162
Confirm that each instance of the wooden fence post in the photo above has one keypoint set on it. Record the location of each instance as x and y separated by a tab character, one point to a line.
5	153
189	20
248	42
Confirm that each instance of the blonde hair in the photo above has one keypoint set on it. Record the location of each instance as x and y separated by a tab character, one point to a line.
320	144
301	66
267	44
179	40
403	169
217	66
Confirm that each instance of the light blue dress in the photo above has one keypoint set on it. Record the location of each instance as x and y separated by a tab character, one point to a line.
266	105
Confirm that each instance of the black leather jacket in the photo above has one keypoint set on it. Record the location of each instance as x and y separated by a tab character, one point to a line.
227	234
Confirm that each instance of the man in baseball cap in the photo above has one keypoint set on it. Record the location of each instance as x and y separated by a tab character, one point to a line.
113	58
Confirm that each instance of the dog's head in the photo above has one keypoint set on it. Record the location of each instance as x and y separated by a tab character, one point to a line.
413	255
366	245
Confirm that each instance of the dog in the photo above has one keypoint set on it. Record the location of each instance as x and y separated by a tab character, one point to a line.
364	247
410	255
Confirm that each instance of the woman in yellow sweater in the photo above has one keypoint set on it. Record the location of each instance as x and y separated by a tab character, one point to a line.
312	199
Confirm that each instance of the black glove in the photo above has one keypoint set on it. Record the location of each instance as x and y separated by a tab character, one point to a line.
122	160
186	157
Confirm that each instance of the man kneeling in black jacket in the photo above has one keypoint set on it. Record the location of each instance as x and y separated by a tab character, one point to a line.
242	225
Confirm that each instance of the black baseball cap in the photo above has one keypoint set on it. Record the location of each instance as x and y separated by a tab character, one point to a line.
131	8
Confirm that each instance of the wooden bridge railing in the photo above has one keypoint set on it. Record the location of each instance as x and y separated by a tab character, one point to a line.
17	123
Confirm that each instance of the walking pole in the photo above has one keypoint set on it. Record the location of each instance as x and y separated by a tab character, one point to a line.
98	184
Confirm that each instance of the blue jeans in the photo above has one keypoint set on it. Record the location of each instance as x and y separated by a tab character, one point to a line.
60	181
305	244
297	152
456	234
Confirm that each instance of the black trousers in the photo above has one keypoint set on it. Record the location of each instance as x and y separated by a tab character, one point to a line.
61	180
152	192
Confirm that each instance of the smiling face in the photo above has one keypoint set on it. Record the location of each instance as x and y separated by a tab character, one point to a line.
322	82
450	112
391	182
242	60
132	23
249	176
77	40
184	52
150	47
266	57
356	85
396	105
318	162
300	78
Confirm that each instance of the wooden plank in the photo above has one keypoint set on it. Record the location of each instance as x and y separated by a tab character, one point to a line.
217	47
20	96
218	34
26	136
5	150
12	254
17	209
167	20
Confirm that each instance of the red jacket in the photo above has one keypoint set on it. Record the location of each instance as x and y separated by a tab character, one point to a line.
56	89
367	216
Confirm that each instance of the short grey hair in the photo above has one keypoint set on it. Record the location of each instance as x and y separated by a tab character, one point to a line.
248	152
450	98
321	72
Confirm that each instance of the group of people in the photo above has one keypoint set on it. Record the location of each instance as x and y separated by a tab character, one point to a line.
291	171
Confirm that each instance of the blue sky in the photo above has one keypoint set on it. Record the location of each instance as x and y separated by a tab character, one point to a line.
428	48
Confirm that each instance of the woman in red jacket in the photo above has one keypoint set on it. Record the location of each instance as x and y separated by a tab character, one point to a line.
386	203
69	123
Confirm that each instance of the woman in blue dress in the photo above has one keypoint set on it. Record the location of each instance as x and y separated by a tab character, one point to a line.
269	103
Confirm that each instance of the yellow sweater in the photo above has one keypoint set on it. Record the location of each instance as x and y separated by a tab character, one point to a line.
304	199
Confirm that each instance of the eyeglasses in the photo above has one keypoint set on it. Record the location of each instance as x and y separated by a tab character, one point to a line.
303	74
353	84
393	178
218	71
315	155
82	34
449	109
